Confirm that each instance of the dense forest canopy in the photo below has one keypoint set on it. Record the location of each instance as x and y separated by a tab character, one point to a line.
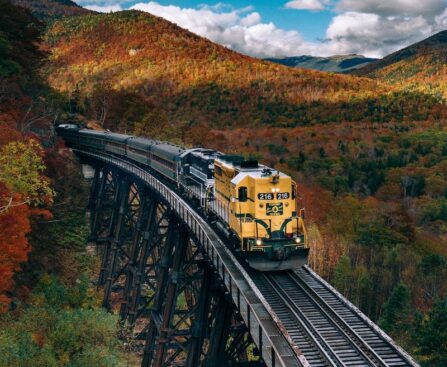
49	312
369	154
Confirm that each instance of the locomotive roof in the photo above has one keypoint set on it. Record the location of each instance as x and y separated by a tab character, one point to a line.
241	165
238	162
116	137
206	153
91	132
257	174
68	126
170	149
141	142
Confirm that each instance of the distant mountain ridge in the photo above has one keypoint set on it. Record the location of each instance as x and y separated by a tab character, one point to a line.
52	9
435	45
420	67
338	63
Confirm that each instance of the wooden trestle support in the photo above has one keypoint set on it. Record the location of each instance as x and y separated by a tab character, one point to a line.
156	275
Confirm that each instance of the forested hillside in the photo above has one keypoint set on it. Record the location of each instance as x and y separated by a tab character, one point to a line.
129	67
51	9
49	312
371	156
420	67
369	153
338	64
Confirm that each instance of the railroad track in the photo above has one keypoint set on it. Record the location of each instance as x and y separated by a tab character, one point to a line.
328	330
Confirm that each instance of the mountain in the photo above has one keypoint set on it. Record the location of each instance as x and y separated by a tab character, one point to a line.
51	9
130	67
422	65
339	64
370	156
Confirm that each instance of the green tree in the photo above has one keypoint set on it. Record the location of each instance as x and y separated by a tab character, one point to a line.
21	170
432	336
60	327
343	275
396	310
19	38
7	67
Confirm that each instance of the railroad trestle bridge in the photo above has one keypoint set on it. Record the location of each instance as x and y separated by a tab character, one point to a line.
190	302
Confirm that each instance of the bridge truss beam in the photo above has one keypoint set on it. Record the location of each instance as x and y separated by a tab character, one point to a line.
156	274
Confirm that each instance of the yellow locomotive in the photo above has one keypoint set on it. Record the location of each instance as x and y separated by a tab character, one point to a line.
254	204
259	207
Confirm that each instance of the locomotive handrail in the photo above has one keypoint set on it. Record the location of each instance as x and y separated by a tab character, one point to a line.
269	334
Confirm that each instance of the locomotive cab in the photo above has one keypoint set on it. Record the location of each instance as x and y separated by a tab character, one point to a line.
262	212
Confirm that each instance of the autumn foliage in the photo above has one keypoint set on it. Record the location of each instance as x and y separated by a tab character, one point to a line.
127	68
14	247
25	191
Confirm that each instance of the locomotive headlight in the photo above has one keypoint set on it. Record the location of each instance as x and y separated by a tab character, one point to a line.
258	242
298	240
277	190
273	190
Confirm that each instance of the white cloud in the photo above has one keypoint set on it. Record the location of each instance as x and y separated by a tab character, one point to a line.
369	27
104	8
441	20
240	29
372	34
412	8
305	5
251	19
379	27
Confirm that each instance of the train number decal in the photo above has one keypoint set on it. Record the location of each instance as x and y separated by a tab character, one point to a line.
283	196
266	196
274	210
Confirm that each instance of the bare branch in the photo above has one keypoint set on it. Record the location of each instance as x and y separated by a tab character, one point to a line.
10	204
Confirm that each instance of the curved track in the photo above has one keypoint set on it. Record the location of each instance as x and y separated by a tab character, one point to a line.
295	318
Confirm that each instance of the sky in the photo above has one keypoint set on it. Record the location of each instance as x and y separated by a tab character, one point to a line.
284	28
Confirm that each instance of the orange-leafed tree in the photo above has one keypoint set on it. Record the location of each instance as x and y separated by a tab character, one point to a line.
24	190
14	247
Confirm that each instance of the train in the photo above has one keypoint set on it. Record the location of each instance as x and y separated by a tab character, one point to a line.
254	206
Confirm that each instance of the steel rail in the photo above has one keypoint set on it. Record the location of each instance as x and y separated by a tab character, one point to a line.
363	348
311	344
333	338
283	333
377	340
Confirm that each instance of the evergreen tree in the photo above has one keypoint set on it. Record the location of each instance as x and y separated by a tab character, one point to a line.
431	334
396	310
343	275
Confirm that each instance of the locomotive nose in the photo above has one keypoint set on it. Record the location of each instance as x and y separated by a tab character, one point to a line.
279	254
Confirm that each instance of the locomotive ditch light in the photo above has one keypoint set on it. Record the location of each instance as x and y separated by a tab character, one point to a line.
298	240
258	242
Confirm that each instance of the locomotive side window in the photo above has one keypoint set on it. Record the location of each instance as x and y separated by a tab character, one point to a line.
265	196
243	194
